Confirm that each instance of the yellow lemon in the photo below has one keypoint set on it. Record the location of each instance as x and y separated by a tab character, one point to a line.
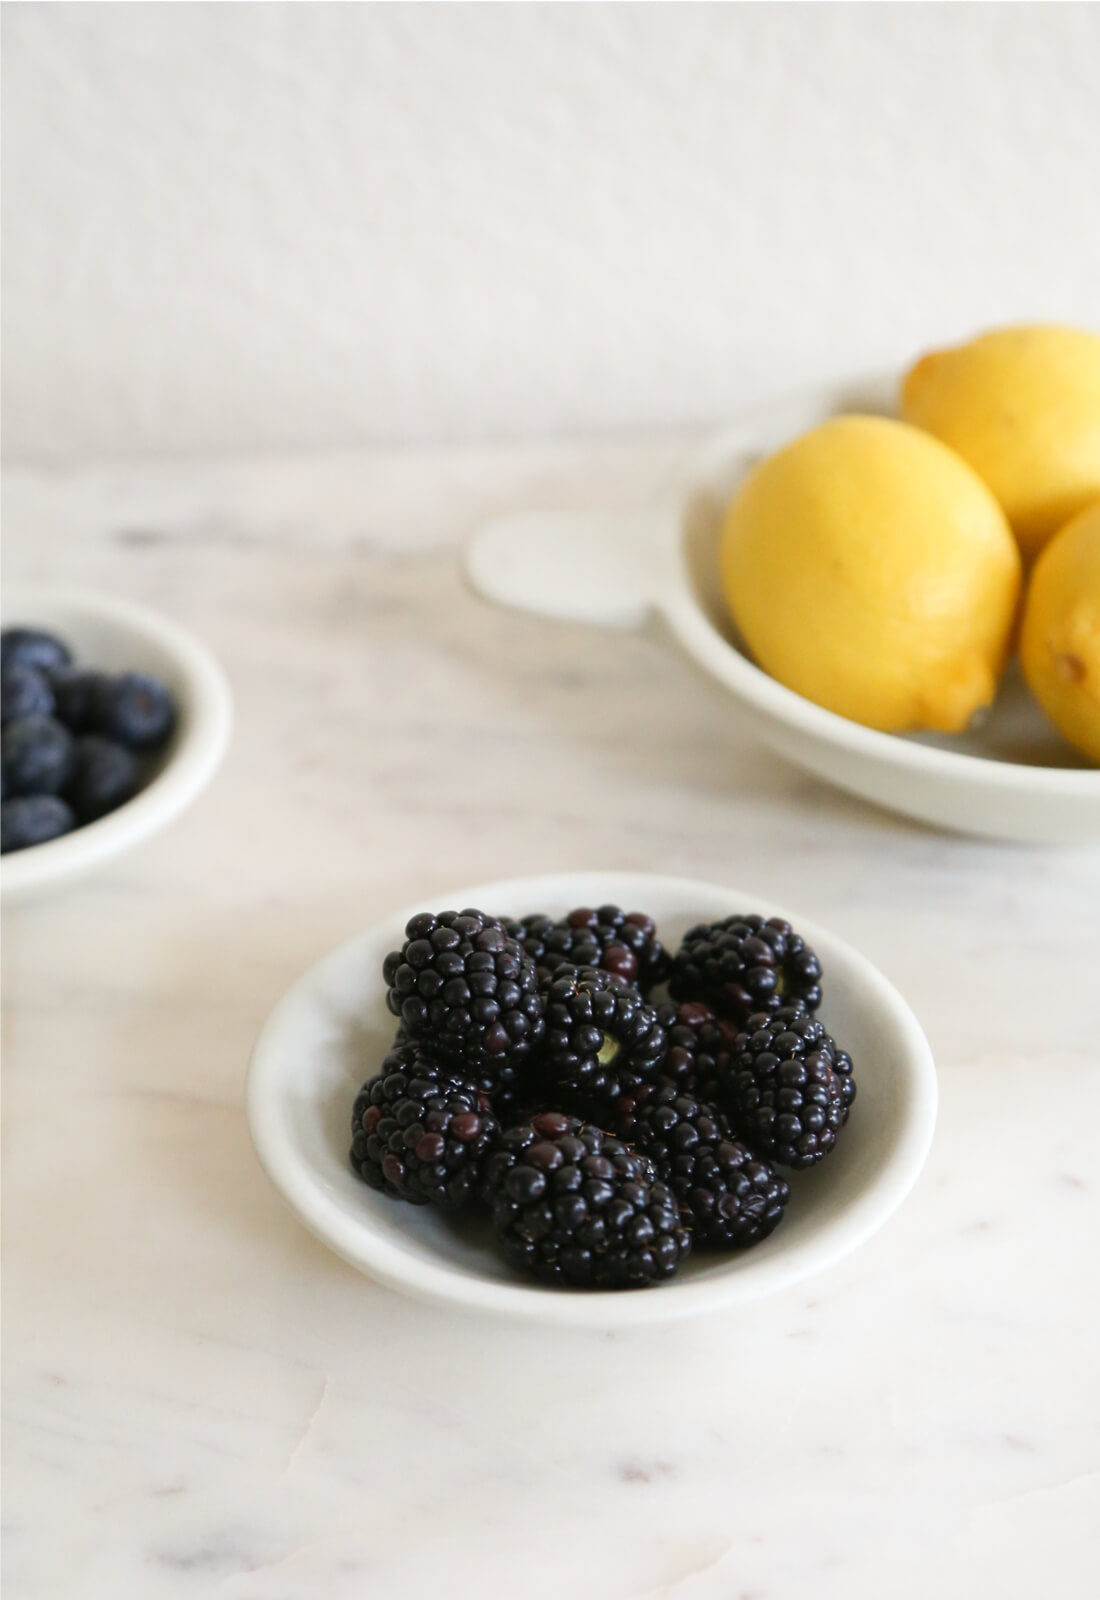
871	570
1060	637
1022	405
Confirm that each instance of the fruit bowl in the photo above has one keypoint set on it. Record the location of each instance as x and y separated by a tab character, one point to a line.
330	1031
117	635
1012	778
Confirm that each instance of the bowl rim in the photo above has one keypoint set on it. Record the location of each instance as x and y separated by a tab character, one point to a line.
192	761
697	633
442	1283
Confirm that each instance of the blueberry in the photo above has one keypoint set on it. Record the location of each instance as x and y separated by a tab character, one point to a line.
75	692
135	709
37	755
32	819
24	692
31	647
106	775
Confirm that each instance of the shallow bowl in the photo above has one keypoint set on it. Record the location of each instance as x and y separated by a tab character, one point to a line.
116	635
329	1034
1014	777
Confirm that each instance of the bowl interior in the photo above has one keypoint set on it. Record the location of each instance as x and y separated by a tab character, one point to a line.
1014	730
331	1032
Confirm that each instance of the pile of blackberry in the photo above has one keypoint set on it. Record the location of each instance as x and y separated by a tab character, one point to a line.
75	742
608	1126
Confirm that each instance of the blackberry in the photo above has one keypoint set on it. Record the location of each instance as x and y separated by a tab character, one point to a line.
621	942
576	1206
788	1087
745	965
697	1049
602	1039
698	1041
33	819
466	990
420	1132
24	692
532	933
733	1198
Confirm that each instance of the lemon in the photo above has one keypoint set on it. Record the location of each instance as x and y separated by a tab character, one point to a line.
1060	637
1022	405
871	570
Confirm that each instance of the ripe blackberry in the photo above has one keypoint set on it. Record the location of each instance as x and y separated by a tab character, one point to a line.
601	1037
466	990
697	1050
532	933
744	965
576	1206
788	1087
420	1132
698	1041
733	1198
624	943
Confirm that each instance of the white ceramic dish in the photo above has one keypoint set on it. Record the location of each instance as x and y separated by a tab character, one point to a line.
330	1032
116	635
1015	778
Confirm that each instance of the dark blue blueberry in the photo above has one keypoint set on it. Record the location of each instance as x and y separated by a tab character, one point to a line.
24	692
30	647
106	776
37	755
135	709
75	692
32	819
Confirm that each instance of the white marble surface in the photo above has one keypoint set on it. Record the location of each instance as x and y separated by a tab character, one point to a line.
201	1401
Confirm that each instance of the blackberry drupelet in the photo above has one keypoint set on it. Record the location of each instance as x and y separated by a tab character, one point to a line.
617	941
788	1087
745	965
732	1197
468	992
577	1207
602	1039
420	1131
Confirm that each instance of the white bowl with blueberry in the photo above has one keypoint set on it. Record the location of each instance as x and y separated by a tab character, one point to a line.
114	719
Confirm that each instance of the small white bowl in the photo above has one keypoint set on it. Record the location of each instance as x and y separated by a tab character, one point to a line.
1013	778
330	1032
117	636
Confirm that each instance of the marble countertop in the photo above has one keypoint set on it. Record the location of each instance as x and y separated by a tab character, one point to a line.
202	1401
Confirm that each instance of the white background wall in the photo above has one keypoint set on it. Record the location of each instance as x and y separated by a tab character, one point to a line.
268	225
